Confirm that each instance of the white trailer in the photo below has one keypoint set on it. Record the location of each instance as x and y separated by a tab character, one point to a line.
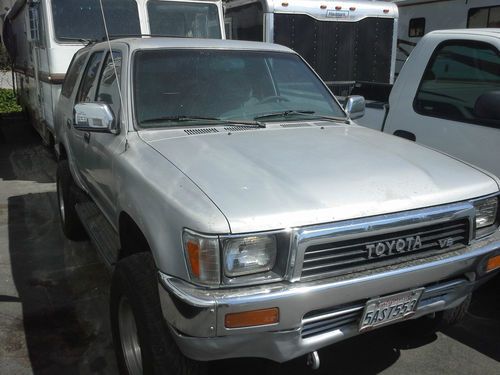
42	36
344	41
418	17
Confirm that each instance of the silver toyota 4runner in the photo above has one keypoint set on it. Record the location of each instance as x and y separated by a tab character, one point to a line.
244	214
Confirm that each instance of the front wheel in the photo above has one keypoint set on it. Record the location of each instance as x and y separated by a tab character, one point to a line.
143	344
428	325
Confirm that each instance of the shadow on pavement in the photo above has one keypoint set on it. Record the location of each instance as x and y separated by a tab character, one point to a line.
481	329
28	162
62	285
63	290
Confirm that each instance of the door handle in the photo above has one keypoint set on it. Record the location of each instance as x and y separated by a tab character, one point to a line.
86	137
68	123
406	135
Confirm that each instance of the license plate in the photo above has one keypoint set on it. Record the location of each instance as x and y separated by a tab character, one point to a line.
385	310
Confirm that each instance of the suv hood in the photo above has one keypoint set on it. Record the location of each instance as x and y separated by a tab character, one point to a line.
263	179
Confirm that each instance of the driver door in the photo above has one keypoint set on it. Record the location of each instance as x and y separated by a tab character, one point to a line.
446	113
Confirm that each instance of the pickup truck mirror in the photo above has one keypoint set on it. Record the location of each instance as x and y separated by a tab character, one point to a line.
486	106
95	117
355	106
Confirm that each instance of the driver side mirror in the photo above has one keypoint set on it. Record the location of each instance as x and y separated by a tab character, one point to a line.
355	106
95	117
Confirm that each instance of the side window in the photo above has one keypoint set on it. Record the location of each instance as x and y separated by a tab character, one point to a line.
108	89
246	22
72	75
460	79
484	17
34	17
89	79
417	28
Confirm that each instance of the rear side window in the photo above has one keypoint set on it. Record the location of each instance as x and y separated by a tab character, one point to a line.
89	80
457	79
72	74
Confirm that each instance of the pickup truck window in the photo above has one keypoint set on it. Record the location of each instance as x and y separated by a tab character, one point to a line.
82	19
458	74
89	79
108	90
196	20
228	85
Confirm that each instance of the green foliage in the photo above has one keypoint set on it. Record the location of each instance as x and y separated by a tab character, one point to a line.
8	102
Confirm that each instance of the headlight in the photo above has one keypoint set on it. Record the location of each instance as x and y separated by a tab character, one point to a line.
486	212
249	255
202	258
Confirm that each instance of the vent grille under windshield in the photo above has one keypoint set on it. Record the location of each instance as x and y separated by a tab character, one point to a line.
200	131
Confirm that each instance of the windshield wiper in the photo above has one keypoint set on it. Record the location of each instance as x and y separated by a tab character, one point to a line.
202	118
293	112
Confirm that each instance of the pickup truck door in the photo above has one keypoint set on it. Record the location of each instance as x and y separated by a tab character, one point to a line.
439	100
78	139
104	149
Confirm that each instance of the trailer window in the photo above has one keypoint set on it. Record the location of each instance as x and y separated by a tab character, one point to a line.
171	18
82	19
484	17
417	28
246	22
457	78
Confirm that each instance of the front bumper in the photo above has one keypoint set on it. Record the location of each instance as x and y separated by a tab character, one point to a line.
328	310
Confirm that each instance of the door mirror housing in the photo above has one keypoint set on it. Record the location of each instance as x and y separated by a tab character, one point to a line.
95	117
355	106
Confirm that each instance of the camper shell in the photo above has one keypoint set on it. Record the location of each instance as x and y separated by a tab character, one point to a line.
43	36
344	41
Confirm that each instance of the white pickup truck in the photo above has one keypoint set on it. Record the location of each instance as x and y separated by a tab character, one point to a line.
447	97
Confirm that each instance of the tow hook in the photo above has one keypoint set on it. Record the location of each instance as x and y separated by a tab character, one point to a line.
313	360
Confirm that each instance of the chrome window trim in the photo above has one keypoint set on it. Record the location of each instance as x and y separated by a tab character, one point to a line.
302	238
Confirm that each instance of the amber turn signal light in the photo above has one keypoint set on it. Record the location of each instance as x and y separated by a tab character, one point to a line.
252	318
493	263
193	250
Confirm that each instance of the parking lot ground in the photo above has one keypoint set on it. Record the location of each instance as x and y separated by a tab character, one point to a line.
54	292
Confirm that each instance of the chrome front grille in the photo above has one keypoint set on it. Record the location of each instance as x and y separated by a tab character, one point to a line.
343	256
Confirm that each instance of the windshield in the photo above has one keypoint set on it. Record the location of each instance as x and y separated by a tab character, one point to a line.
82	19
226	85
196	20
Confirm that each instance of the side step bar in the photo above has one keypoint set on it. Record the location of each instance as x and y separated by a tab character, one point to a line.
100	232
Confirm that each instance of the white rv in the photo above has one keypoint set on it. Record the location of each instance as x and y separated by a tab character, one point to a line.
42	36
344	41
418	17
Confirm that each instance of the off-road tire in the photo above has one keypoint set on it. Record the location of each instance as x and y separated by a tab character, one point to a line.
70	222
135	279
429	325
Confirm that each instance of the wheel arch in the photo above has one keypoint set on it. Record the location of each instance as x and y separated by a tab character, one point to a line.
132	238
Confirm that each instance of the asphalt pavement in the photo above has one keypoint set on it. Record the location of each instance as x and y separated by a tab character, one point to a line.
54	293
